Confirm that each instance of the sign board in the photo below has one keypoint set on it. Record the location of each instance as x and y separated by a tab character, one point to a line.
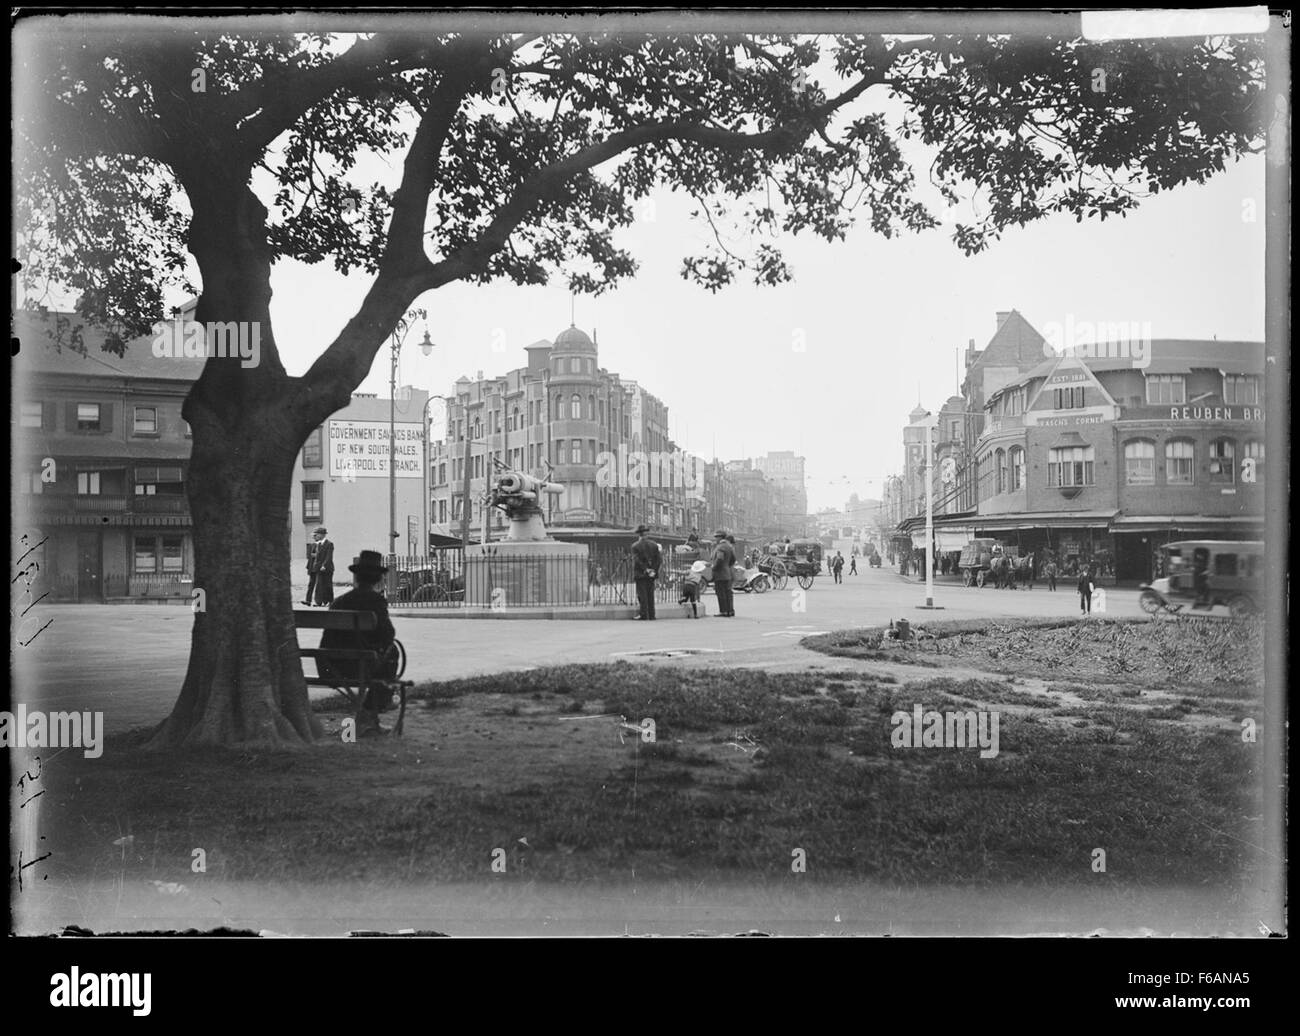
360	449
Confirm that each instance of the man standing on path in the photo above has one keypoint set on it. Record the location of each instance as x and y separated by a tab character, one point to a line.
311	568
837	566
324	562
647	558
1051	574
1085	591
724	557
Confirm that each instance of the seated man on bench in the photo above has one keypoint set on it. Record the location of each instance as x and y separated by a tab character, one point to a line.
368	572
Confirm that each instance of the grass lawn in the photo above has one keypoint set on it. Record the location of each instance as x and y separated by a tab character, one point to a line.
746	768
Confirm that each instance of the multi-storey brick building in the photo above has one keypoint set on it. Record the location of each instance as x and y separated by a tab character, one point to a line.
1100	455
604	437
786	471
100	458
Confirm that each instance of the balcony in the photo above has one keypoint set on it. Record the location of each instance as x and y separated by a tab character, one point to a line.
69	503
168	504
98	504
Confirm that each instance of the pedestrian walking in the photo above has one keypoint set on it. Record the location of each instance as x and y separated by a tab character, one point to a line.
724	557
853	564
324	567
1085	592
1051	574
837	567
647	558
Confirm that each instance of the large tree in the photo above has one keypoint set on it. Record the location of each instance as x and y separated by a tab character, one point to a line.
521	155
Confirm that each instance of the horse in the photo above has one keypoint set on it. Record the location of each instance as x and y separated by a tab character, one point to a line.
1000	571
1025	571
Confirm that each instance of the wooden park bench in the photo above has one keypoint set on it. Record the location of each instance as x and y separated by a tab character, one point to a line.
366	660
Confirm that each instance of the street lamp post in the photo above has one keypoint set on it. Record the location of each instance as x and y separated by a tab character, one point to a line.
928	469
426	346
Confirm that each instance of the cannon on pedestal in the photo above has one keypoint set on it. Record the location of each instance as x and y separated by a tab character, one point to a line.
520	496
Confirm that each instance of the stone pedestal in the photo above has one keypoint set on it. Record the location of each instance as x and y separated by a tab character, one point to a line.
527	573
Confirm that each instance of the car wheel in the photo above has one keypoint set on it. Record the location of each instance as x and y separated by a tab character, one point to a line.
1150	602
1241	606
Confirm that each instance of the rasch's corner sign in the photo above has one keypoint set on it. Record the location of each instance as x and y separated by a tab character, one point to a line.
360	449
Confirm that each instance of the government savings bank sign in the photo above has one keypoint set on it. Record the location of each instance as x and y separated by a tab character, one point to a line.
361	449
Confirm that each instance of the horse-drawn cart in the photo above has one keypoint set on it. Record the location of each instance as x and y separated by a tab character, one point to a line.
977	559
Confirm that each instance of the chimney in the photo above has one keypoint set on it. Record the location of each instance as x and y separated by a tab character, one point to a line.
1002	317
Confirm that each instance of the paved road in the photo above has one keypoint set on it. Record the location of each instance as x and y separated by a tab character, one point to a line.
129	660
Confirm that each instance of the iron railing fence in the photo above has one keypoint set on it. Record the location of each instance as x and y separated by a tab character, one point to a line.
489	577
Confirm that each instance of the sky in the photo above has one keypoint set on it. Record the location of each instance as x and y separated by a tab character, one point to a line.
881	321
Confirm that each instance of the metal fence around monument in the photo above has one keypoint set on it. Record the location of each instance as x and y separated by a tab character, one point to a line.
440	579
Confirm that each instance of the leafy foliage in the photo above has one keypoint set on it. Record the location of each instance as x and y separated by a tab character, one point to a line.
526	154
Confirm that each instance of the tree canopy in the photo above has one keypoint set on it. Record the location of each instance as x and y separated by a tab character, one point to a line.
522	154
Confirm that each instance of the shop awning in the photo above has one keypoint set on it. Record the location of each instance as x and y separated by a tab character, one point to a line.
952	539
1175	522
1048	519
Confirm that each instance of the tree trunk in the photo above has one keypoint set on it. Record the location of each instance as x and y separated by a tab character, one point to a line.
245	681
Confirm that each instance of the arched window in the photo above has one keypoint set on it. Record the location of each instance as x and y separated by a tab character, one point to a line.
478	429
559	408
575	407
1001	467
1016	461
591	408
514	419
1180	463
1252	451
1139	463
1223	456
575	456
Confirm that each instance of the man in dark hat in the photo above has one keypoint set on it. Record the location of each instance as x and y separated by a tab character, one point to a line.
647	558
368	572
323	563
724	557
311	569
